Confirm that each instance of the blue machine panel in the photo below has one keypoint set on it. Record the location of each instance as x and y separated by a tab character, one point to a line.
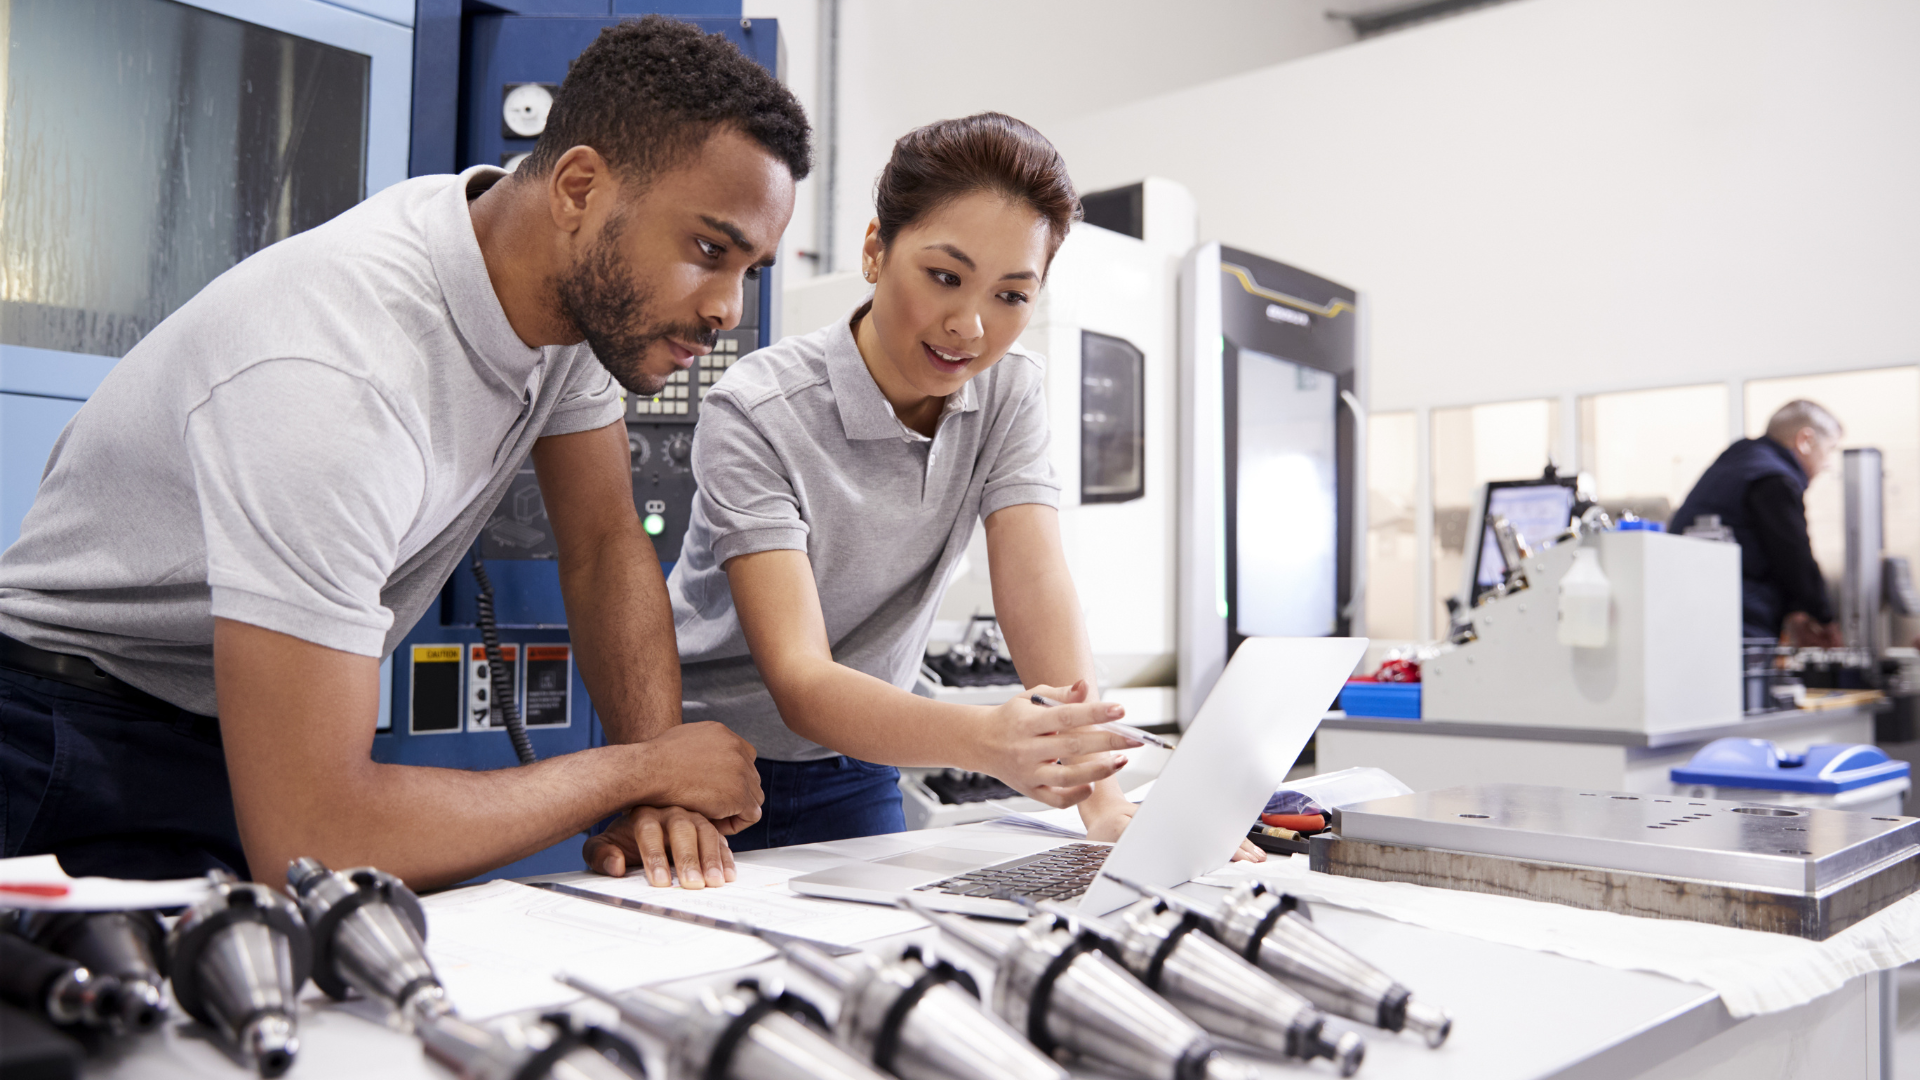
507	50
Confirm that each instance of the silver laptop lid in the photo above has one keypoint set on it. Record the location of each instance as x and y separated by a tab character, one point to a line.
1235	753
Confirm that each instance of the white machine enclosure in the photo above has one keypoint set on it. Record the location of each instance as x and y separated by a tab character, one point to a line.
1203	563
1121	553
1672	660
1201	578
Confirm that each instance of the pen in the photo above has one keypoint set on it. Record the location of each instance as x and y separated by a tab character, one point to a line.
1113	726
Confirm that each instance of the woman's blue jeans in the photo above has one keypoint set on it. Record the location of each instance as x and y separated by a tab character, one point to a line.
831	799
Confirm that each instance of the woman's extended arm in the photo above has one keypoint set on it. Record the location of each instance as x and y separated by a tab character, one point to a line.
1039	612
856	714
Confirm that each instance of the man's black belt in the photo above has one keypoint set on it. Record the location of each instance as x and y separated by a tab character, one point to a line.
76	671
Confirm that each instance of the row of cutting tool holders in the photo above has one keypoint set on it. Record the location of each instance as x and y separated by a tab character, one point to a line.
237	959
1157	994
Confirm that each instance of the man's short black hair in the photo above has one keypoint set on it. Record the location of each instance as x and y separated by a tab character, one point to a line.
648	92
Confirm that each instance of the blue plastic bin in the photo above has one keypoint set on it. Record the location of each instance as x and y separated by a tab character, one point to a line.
1387	700
1839	776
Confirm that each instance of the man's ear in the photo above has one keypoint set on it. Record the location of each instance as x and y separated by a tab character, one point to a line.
579	182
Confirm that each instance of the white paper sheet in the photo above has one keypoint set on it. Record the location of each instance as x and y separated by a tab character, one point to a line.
38	882
758	896
497	947
1753	972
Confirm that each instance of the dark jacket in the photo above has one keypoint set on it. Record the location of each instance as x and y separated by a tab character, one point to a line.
1759	490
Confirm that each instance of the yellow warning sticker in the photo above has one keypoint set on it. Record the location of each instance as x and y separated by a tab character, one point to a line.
436	654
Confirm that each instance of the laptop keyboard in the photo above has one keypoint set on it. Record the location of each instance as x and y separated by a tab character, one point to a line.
1059	874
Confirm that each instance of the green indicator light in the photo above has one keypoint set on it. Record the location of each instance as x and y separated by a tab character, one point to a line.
654	524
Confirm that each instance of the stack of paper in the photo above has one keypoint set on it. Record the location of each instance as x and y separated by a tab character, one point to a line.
497	947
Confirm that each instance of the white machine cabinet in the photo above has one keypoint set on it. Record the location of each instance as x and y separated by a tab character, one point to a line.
1671	662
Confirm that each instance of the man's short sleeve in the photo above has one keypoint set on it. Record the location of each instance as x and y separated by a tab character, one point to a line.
590	401
744	492
308	481
1021	473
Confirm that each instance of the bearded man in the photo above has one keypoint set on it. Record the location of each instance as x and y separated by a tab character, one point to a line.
265	495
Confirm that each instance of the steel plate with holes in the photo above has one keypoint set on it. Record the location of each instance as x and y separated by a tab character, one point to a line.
1797	870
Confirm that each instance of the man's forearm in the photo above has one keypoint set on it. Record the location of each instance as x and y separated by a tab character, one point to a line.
622	628
435	827
617	606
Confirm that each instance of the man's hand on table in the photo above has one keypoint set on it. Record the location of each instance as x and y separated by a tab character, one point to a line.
706	789
652	838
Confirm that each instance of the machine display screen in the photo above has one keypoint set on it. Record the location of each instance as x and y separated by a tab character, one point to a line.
1539	512
1286	529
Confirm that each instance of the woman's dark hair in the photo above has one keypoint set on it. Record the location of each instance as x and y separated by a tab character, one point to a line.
648	92
947	159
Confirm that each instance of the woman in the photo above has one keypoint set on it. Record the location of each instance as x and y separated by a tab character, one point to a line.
840	476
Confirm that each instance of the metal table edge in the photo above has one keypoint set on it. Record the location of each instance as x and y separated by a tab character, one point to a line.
1767	722
1653	1043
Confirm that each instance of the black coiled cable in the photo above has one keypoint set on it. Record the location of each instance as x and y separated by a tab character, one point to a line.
501	677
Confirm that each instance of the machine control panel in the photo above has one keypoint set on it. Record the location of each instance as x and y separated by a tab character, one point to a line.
660	442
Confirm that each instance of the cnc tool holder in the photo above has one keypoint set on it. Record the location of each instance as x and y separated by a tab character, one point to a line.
238	960
920	1020
369	935
1064	987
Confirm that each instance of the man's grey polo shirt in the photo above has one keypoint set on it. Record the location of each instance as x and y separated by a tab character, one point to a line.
310	445
798	450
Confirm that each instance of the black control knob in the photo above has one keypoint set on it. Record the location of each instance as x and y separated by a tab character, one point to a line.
638	448
679	449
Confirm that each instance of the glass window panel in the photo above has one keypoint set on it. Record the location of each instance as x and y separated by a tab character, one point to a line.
1509	440
147	147
1393	553
1285	531
1879	408
1112	419
1645	448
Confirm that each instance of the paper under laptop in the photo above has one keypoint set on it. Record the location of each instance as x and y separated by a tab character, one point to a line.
1233	756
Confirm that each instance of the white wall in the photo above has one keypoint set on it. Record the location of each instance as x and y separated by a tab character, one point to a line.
906	64
1564	196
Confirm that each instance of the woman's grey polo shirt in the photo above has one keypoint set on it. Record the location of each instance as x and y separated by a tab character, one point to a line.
798	450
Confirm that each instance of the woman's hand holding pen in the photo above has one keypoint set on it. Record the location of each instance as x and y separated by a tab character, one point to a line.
1054	754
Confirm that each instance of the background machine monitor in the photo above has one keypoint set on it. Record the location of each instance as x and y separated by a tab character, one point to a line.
1540	509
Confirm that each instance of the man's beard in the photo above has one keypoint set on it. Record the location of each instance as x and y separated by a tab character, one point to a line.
612	310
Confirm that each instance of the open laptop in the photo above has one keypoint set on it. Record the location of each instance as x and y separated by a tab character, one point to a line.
1235	753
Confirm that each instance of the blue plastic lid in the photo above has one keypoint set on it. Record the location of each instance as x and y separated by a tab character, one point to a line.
1826	769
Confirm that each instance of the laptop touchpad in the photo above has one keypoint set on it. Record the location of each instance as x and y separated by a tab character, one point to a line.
945	860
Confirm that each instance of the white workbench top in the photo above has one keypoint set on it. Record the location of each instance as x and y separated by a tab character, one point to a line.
1518	1014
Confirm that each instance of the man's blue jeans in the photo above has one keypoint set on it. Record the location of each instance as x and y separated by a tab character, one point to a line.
111	787
831	799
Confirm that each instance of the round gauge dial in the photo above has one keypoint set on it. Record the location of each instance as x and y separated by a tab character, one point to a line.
525	109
